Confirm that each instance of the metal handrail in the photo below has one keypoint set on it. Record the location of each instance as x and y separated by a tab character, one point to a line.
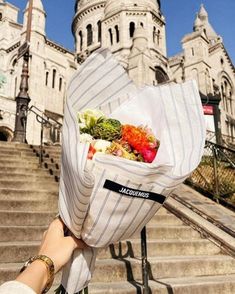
44	120
214	176
144	257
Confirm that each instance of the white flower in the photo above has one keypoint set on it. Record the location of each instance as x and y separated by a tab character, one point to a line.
101	145
86	138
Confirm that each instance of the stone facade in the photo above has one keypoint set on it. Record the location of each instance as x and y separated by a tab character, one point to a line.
205	59
135	32
50	68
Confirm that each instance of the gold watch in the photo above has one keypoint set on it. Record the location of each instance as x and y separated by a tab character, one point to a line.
50	269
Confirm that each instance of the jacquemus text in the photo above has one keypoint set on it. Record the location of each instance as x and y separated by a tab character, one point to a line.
133	193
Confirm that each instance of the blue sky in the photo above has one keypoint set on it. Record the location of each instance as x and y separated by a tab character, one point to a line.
180	15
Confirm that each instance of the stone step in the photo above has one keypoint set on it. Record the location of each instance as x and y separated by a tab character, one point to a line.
215	284
27	194
34	184
55	173
220	284
171	232
163	267
23	170
32	164
163	211
17	252
13	234
17	153
40	176
168	219
10	159
51	150
20	218
21	237
14	146
49	160
48	205
158	247
51	166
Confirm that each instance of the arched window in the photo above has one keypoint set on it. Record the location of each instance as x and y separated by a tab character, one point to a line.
158	37
15	89
226	92
46	80
195	75
111	36
53	78
81	40
89	35
208	81
60	84
161	76
154	34
0	16
99	30
132	29
117	33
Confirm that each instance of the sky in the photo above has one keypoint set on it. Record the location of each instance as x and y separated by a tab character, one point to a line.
179	14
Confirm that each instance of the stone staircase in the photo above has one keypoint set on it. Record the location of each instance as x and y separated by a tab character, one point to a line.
181	260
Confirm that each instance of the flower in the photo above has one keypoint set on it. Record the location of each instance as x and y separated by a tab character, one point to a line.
142	140
135	136
107	135
101	145
149	154
88	119
86	138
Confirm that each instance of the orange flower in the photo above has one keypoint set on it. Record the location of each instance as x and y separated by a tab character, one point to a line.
138	139
135	136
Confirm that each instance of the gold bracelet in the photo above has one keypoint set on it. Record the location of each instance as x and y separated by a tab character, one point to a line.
50	269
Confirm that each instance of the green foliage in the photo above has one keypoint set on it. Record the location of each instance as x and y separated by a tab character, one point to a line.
107	129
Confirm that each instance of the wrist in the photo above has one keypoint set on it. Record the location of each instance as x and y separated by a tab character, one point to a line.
35	276
38	273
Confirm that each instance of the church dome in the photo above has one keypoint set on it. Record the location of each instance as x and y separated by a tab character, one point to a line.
113	6
84	4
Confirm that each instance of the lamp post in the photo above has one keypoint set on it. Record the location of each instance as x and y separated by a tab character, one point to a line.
23	99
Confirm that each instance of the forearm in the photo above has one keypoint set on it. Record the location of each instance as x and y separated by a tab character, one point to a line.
35	276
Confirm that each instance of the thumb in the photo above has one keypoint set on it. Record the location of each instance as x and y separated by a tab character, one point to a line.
70	242
77	243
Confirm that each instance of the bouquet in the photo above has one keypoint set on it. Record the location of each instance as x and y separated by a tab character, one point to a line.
114	195
107	135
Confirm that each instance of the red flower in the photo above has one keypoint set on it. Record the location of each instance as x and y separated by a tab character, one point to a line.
149	154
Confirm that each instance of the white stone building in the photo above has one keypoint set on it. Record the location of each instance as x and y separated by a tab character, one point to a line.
205	59
50	68
135	32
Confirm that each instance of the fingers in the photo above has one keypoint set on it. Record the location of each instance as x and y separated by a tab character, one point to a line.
80	244
75	243
44	235
56	227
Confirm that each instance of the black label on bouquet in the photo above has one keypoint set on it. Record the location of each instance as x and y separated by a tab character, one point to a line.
115	187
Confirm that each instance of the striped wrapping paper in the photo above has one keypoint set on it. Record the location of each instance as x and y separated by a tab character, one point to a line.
94	212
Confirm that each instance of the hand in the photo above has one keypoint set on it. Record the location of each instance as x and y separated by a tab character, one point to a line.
58	247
